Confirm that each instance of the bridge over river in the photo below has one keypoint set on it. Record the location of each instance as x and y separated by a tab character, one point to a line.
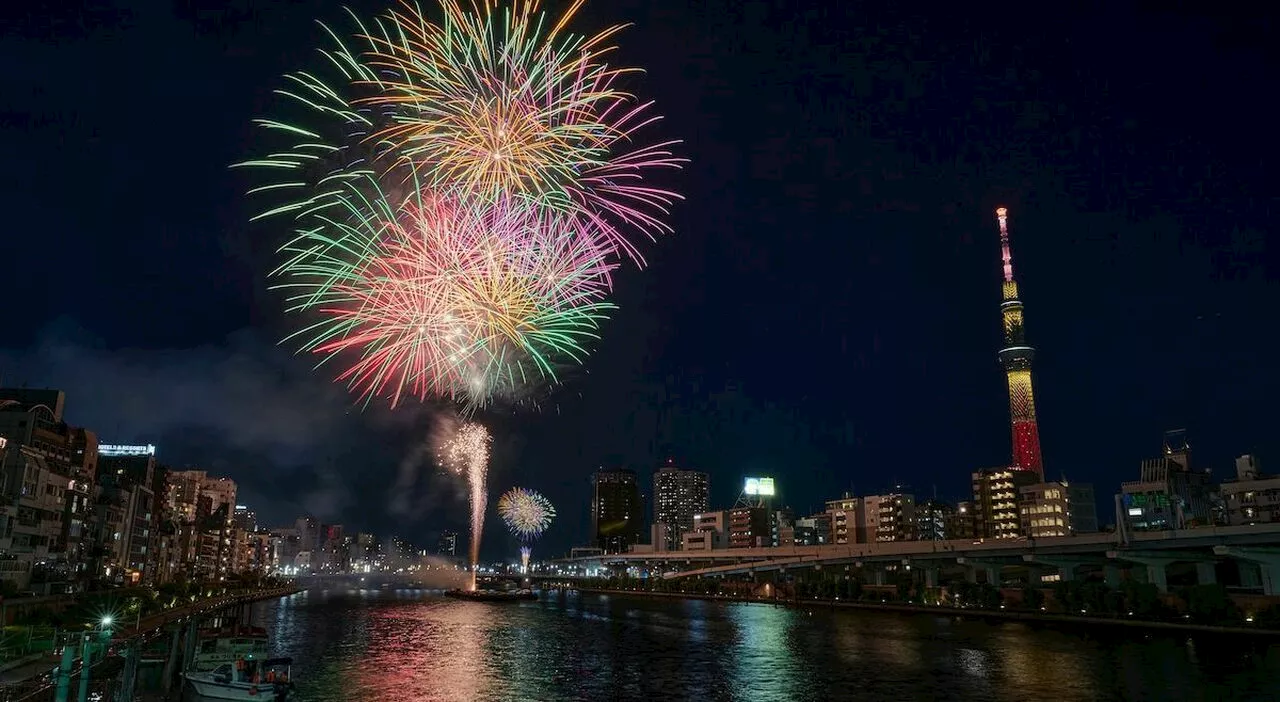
1241	557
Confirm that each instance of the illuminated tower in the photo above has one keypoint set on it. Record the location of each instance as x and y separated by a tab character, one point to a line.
1016	356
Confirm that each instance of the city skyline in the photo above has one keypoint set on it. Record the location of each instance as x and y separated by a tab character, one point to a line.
825	307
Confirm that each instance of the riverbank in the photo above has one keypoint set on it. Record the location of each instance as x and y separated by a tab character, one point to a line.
939	610
159	619
30	674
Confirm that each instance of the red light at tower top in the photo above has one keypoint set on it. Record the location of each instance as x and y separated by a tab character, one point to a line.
1016	356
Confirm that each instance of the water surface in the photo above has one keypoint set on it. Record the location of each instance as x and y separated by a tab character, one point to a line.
411	645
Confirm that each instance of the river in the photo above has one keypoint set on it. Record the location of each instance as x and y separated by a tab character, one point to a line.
411	646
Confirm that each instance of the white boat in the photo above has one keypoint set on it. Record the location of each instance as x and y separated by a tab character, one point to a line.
260	681
229	645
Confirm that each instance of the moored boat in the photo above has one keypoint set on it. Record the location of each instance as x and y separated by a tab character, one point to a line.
245	680
227	645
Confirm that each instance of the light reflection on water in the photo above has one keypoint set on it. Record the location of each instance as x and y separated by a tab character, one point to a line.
409	646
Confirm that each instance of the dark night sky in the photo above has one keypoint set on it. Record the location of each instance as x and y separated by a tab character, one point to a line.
827	311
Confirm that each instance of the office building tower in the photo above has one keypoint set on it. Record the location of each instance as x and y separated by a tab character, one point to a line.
616	512
677	496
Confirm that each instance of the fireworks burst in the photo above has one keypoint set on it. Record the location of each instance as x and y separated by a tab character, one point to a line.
466	453
500	101
456	302
526	513
460	190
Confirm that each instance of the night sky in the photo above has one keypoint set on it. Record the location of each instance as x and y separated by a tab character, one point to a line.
826	313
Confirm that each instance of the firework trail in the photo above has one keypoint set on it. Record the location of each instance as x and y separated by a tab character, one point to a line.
466	453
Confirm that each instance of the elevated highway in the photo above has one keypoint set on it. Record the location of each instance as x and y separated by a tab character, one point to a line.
1253	550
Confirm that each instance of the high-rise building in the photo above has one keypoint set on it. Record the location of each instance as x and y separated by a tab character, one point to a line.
42	482
897	517
205	506
616	512
868	519
1016	356
749	527
782	523
245	519
1253	497
677	496
995	501
308	533
448	544
77	526
846	520
1169	494
1057	509
333	551
126	480
963	523
932	519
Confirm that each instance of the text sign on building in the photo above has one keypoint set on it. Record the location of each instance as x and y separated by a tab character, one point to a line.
126	450
759	486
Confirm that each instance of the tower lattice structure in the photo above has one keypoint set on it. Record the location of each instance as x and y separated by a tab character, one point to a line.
1016	356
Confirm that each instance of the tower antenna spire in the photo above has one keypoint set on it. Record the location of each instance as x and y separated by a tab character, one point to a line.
1016	357
1002	216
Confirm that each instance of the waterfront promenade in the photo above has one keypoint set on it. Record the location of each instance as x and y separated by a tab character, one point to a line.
25	675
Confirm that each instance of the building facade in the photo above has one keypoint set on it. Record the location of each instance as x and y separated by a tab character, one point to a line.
710	531
846	517
749	527
677	495
933	519
447	545
895	517
616	512
202	508
1057	509
995	501
1170	492
1253	497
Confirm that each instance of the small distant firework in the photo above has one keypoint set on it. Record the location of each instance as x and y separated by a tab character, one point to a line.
526	513
466	453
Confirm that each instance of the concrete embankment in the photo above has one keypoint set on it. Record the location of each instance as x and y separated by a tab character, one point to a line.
1004	614
159	619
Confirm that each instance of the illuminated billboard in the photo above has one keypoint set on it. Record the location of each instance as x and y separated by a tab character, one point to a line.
126	450
759	486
